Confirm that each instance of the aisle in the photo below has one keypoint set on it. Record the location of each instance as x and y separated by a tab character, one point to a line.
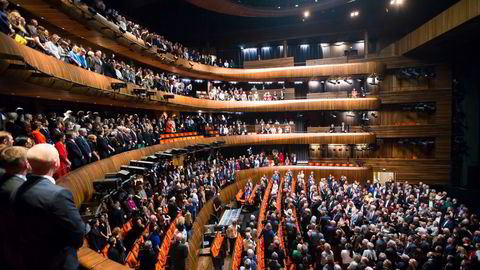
205	262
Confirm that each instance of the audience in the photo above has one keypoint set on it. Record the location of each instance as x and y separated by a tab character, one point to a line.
154	40
344	225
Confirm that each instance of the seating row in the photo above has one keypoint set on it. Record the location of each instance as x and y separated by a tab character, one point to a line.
237	257
167	241
261	218
331	164
132	257
217	244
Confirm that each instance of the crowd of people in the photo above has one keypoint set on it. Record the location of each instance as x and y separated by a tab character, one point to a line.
85	137
335	224
152	39
155	200
238	94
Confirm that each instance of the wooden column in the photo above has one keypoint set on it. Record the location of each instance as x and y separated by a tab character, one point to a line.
285	49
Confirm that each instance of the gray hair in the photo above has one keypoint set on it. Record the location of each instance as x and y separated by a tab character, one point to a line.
148	244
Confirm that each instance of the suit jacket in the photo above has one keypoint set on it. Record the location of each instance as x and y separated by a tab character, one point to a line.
8	185
84	147
75	155
49	229
102	147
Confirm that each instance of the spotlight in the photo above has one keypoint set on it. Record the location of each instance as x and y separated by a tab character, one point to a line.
354	13
396	2
306	14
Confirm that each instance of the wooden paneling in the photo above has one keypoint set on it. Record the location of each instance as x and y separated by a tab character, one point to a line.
442	81
333	94
454	16
395	131
346	104
277	62
429	171
300	138
390	118
44	8
72	78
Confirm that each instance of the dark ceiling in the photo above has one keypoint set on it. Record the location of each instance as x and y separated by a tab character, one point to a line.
197	27
277	3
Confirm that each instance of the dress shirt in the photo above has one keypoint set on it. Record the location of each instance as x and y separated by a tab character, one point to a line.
50	178
21	176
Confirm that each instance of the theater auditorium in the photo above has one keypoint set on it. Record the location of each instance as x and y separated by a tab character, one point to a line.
239	134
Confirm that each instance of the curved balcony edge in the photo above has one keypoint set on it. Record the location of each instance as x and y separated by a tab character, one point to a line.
109	36
37	68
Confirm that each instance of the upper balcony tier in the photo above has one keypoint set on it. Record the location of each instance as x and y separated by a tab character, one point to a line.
42	73
96	29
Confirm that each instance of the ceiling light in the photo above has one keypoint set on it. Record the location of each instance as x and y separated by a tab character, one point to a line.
354	13
306	14
279	7
396	2
296	5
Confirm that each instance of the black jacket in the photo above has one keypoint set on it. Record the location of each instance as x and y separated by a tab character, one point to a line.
84	147
49	229
75	155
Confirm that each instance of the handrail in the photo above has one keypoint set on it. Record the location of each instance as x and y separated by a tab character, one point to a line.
78	76
189	68
80	180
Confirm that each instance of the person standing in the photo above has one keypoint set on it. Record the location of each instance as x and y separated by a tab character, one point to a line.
14	161
62	152
58	228
232	235
76	156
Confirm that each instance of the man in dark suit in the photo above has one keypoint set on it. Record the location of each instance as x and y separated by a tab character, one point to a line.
14	161
75	155
82	143
48	226
179	252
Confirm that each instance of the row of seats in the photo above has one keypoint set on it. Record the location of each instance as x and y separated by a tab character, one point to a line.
177	135
251	199
237	258
123	233
167	141
217	244
167	241
132	258
330	164
261	218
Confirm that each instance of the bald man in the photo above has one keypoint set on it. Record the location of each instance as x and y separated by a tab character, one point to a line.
49	229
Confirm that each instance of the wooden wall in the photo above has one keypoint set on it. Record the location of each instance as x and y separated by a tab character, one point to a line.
277	62
458	14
